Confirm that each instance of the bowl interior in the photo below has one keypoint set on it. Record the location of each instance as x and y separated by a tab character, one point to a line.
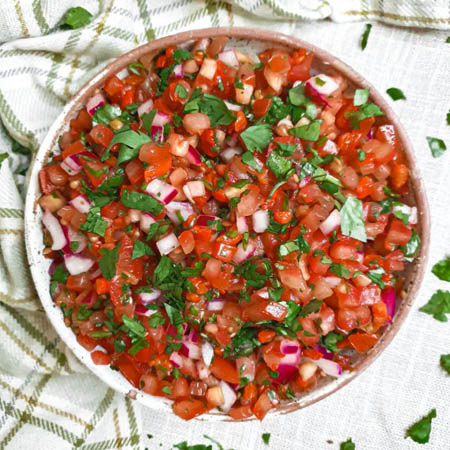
246	39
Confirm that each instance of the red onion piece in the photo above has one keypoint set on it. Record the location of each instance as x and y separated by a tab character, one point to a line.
312	92
241	255
160	119
71	165
203	220
176	359
146	220
76	264
286	372
331	222
329	367
190	350
193	156
74	236
326	354
260	221
54	228
157	133
178	71
95	102
178	212
81	203
389	298
141	310
145	107
161	191
167	244
148	297
304	181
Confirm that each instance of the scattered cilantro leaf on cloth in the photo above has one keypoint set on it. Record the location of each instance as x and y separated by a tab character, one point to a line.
445	362
447	41
3	156
365	36
448	117
437	146
108	261
438	305
257	137
420	431
76	18
442	269
352	222
347	445
266	438
395	94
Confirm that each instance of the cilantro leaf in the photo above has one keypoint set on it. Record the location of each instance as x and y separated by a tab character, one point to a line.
143	202
361	96
438	305
395	94
437	146
105	114
110	185
277	111
193	104
308	132
331	339
3	156
127	154
94	222
180	55
247	158
134	326
448	117
76	18
108	261
445	362
412	247
278	165
339	270
347	445
141	249
257	137
352	222
420	431
442	269
365	111
286	149
266	438
312	306
130	138
215	108
365	35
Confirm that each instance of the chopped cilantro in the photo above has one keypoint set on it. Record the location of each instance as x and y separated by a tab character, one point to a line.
266	438
437	146
395	94
76	18
352	222
108	261
141	249
438	305
257	137
420	431
365	36
143	202
308	132
94	222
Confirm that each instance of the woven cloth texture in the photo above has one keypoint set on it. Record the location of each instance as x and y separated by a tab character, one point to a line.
48	400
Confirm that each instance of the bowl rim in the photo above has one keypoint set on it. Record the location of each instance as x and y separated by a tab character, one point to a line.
33	225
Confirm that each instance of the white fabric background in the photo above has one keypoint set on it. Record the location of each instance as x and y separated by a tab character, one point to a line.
406	381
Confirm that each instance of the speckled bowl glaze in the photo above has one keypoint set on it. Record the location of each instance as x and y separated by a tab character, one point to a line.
243	38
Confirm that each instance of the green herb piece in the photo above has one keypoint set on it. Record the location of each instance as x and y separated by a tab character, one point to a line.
278	165
60	274
331	339
297	95
141	249
130	138
277	111
375	275
285	149
347	445
257	137
119	345
365	36
438	305
312	306
84	313
3	156
448	117
412	247
127	154
143	202
181	54
247	158
395	94
339	270
361	155
437	146
365	111
94	222
181	91
74	246
108	261
134	68
266	438
105	114
240	184
147	120
445	362
361	96
420	431
156	320
442	269
214	107
76	18
308	132
352	222
447	41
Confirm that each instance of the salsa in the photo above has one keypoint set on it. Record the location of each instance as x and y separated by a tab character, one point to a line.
225	228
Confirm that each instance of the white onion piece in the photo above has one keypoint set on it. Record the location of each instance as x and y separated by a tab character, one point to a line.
161	191
208	69
176	359
81	203
77	264
207	353
331	222
203	371
228	154
329	367
146	107
241	224
229	58
215	305
233	107
179	210
332	281
260	221
197	188
71	165
187	193
190	350
54	228
330	147
200	45
178	71
193	156
229	397
146	221
410	211
167	244
148	297
95	102
75	236
243	96
141	310
160	119
241	255
134	215
323	84
122	74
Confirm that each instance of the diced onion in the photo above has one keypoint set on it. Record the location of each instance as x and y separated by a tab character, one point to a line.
243	96
331	222
323	84
77	264
233	107
161	190
81	203
134	215
167	244
228	154
260	221
203	220
229	58
71	165
190	350
410	211
178	71
329	367
208	69
389	298
176	359
193	156
330	147
146	107
241	255
141	310
178	212
95	102
241	224
196	188
145	221
229	396
148	297
54	228
207	353
160	119
122	74
215	305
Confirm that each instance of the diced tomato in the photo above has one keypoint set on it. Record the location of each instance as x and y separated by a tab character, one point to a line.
100	358
101	135
224	370
362	342
188	409
398	233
